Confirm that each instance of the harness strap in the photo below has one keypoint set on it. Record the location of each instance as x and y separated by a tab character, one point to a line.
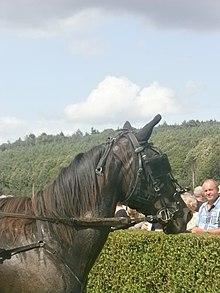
138	150
83	222
122	223
72	222
110	141
155	183
8	253
135	143
141	156
137	185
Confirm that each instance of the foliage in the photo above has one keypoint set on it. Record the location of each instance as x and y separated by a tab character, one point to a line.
193	150
27	166
136	261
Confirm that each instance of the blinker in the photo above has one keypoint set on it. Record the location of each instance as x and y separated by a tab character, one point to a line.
159	165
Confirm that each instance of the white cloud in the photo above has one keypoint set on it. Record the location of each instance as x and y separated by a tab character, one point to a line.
118	99
157	98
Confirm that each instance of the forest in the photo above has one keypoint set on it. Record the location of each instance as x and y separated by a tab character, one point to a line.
27	166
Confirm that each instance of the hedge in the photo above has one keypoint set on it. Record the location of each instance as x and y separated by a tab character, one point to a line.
136	261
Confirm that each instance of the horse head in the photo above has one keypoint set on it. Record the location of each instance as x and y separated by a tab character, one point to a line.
153	189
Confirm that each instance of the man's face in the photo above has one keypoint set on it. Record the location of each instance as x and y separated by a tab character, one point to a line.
210	191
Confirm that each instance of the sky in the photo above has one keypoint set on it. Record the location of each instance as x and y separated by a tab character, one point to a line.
67	65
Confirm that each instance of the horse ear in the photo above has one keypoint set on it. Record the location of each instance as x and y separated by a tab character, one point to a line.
145	133
127	125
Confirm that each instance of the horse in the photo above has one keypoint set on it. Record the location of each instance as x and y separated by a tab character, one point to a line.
50	241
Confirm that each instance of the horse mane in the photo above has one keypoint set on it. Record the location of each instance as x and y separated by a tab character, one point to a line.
74	190
17	205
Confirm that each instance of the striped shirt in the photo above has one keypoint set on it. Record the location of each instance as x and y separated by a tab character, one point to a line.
209	218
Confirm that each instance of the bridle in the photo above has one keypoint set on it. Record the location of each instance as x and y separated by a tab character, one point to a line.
147	168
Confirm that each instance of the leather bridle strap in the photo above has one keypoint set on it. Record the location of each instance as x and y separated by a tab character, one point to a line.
8	253
137	147
72	222
110	141
138	150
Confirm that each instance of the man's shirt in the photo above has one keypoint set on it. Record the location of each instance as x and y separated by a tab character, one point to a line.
208	219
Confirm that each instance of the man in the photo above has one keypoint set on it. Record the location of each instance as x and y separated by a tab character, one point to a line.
208	219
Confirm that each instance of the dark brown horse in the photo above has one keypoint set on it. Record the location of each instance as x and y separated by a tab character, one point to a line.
50	242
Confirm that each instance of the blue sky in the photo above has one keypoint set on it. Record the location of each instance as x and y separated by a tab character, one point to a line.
67	65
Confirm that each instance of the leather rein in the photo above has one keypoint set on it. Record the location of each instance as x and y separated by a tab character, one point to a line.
114	223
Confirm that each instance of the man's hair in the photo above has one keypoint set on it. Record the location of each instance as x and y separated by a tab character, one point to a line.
212	180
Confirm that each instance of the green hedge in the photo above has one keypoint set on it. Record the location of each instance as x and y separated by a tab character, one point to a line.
136	261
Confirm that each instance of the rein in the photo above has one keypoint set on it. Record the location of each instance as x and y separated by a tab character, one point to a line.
81	222
8	253
114	223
